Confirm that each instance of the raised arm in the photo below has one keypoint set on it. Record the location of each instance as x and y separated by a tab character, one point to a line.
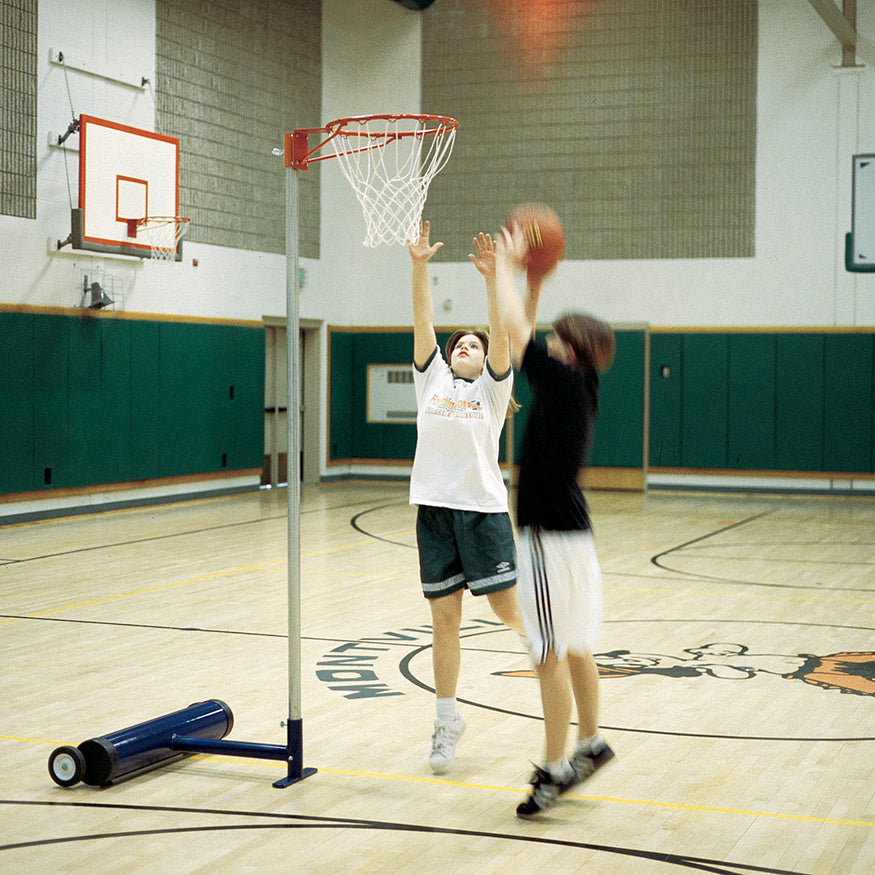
499	346
534	281
424	337
514	319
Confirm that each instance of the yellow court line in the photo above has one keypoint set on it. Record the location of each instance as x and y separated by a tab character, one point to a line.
201	578
125	595
612	799
465	785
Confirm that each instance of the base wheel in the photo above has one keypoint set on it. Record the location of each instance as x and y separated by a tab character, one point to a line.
67	765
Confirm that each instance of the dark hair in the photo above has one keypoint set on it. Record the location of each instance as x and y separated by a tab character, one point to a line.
456	336
591	340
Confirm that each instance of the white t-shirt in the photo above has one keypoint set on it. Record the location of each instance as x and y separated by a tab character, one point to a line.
458	426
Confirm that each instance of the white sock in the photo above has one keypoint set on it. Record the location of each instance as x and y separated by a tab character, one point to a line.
447	711
593	744
560	770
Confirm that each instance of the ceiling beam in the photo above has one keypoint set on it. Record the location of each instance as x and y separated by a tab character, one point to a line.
836	22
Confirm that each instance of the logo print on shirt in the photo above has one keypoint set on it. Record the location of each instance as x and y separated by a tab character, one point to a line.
444	405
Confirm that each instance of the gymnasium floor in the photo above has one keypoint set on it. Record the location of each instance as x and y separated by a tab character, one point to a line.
738	692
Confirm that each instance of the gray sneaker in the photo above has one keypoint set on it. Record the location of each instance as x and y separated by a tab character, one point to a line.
545	791
584	762
443	744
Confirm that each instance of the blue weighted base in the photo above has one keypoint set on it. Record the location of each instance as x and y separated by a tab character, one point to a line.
100	761
200	728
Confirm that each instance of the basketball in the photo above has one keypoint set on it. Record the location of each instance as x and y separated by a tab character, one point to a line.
544	232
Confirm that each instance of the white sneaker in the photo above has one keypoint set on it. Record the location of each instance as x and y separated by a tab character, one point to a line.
443	744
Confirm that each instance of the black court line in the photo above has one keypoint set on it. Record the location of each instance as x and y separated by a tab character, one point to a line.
404	665
131	542
178	534
376	639
354	522
301	821
407	674
657	561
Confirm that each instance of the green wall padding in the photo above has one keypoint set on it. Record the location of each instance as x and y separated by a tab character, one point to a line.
343	378
666	409
16	392
210	375
799	402
751	401
619	434
91	401
144	391
849	403
705	397
764	401
51	360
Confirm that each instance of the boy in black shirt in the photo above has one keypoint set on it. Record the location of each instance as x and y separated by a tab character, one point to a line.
560	587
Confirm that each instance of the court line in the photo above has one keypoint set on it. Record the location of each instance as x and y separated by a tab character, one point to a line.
467	785
680	806
303	821
747	595
199	579
610	799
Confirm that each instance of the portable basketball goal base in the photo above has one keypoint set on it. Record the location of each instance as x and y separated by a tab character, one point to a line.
390	161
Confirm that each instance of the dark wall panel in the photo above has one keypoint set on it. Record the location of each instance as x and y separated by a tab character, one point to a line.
751	436
666	406
144	393
340	421
619	434
16	396
848	402
89	400
799	402
706	415
51	355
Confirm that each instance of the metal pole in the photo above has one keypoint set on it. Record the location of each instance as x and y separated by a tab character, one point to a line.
293	455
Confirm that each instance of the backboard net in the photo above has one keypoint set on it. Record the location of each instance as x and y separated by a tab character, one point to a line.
162	234
390	161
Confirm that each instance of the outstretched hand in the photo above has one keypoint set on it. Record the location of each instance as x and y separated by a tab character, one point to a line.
421	249
512	245
483	256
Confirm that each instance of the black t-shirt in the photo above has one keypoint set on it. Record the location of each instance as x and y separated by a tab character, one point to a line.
556	443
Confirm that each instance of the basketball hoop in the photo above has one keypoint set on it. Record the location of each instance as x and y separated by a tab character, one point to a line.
390	161
162	234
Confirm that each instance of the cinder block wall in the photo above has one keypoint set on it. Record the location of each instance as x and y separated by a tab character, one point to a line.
232	78
18	86
635	119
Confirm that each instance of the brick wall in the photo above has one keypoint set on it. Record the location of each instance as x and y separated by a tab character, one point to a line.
635	119
18	87
232	77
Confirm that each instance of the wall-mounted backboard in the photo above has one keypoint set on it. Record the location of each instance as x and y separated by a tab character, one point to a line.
125	175
860	246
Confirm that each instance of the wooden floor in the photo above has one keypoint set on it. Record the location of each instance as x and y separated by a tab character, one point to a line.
738	692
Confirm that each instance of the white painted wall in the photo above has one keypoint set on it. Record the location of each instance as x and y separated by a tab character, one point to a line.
812	118
370	64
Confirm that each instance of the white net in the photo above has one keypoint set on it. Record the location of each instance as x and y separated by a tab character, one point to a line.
162	234
390	162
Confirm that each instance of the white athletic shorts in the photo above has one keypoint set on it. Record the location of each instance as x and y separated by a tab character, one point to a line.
560	591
